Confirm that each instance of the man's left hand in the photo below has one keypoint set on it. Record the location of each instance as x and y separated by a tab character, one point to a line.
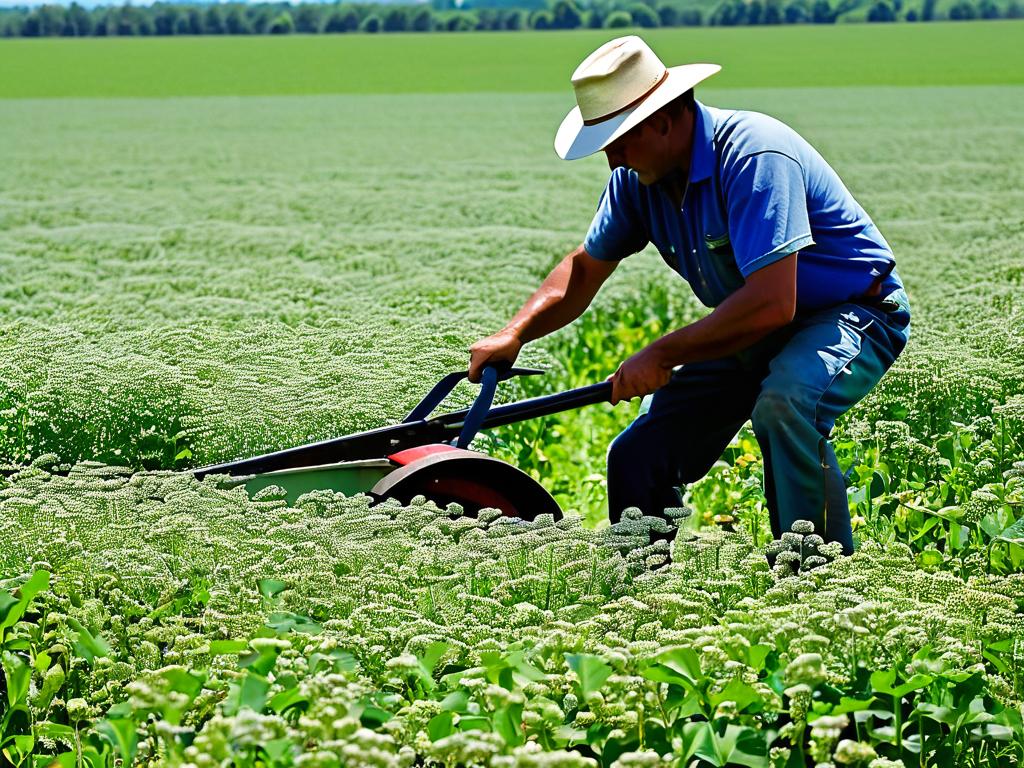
640	375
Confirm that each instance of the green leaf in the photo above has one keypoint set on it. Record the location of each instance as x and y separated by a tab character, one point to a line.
1013	534
847	705
430	656
744	746
699	741
11	609
253	692
930	558
284	622
740	693
87	645
183	681
277	750
122	736
756	655
440	726
474	723
457	701
337	660
228	647
508	722
288	698
591	671
55	730
18	675
915	683
683	661
271	588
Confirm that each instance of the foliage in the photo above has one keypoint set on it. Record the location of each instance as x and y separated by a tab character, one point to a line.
166	19
171	621
312	276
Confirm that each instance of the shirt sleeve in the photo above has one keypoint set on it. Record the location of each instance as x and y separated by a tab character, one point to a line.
767	203
617	230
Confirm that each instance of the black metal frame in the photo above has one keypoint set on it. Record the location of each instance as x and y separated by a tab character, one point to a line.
417	429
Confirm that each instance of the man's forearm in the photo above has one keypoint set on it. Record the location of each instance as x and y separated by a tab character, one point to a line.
559	300
742	319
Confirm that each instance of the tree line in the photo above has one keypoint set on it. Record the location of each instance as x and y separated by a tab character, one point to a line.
165	19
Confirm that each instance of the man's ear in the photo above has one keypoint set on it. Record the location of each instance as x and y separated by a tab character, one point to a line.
661	123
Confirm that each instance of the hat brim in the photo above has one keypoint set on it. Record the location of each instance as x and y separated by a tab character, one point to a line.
575	140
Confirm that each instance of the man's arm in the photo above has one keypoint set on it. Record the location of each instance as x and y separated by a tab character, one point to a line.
563	296
766	301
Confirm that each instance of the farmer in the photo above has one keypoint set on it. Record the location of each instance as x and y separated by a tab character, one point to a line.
808	312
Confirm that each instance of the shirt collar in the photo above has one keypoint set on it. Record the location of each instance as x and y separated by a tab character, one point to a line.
702	151
702	156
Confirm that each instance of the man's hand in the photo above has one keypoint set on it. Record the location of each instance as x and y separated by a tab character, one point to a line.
504	345
640	375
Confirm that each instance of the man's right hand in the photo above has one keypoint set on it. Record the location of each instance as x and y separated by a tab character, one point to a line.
502	346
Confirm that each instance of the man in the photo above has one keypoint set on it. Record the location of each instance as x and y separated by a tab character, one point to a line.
808	312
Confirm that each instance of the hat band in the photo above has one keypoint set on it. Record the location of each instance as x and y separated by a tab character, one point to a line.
610	115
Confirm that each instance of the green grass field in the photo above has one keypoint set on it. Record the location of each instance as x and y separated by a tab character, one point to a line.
191	273
949	53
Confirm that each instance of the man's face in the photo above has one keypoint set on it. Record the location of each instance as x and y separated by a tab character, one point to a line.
644	149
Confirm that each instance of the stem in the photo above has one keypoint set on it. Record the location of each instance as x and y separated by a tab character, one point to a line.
897	713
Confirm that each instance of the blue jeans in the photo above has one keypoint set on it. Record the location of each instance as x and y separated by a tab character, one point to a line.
792	385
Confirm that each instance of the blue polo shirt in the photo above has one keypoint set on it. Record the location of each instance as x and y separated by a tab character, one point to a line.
757	193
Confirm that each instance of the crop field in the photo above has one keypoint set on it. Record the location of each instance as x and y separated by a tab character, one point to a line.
206	276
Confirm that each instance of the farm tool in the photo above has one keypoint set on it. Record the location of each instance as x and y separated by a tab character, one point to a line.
423	455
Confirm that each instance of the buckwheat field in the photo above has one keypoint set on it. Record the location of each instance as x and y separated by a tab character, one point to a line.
192	279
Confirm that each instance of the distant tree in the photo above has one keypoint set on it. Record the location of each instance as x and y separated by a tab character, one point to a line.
487	19
195	21
821	12
213	21
617	20
565	15
595	19
181	26
755	12
45	21
236	23
928	10
307	18
422	20
394	20
123	21
283	24
773	12
541	20
1014	10
691	17
962	11
461	21
796	12
164	18
668	16
881	11
515	19
988	10
728	14
643	15
77	22
260	18
11	26
345	18
370	24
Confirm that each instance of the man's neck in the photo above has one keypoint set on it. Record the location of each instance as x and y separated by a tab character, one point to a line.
677	180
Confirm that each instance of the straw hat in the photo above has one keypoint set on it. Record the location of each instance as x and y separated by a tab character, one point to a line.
617	86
